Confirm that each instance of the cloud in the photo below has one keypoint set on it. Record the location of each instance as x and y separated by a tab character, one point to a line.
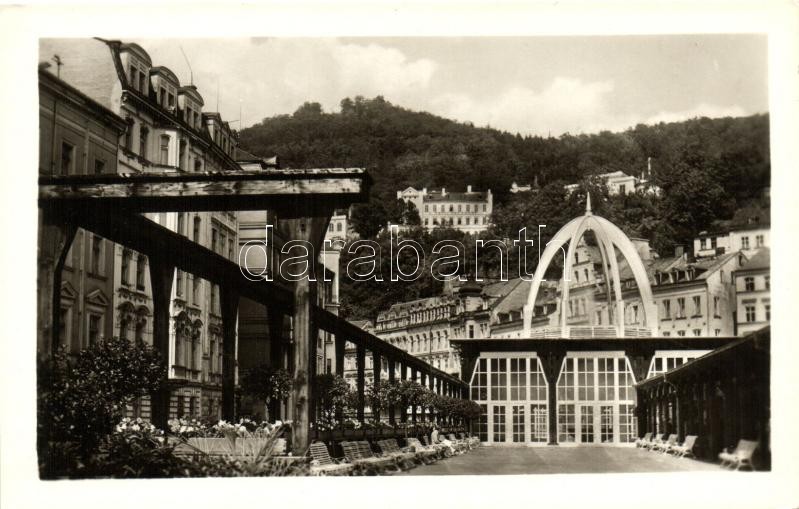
272	76
276	75
565	105
700	110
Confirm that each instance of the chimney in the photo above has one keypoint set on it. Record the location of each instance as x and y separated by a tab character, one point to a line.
648	167
424	191
679	250
469	189
443	191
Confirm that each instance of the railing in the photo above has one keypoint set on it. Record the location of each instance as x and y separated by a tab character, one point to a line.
589	332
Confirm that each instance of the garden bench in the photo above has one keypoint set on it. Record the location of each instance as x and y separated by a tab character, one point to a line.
325	465
686	449
741	456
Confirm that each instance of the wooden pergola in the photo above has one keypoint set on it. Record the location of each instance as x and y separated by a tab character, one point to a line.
304	200
720	397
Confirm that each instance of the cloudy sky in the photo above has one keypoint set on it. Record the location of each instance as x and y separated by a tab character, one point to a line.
531	85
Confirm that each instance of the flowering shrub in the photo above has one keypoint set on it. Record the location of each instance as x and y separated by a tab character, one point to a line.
138	425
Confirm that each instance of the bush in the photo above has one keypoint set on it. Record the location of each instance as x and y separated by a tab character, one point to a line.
83	396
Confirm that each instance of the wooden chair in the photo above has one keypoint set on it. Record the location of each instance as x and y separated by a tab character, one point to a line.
659	438
323	464
428	454
447	452
460	445
639	442
664	446
686	449
360	454
741	456
405	459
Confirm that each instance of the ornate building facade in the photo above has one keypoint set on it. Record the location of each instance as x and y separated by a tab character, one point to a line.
166	131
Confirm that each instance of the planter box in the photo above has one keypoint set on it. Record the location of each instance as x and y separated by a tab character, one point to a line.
239	447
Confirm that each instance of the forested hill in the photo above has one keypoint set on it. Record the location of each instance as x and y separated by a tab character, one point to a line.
707	169
402	147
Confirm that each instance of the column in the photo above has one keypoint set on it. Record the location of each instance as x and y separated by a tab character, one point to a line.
161	274
551	363
360	353
229	301
340	346
55	238
376	367
391	410
307	222
403	376
275	317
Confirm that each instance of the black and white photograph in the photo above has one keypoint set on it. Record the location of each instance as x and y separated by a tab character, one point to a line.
536	257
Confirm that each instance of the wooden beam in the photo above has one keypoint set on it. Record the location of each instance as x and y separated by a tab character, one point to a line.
151	192
145	236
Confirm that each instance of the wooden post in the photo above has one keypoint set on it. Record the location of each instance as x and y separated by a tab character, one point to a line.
376	367
307	224
340	346
392	364
423	383
275	317
414	377
360	354
55	238
229	302
403	376
161	275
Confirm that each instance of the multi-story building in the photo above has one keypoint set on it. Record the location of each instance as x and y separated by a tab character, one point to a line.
468	212
423	327
747	238
620	183
693	298
166	132
79	136
753	293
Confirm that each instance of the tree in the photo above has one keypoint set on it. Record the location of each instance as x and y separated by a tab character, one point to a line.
267	384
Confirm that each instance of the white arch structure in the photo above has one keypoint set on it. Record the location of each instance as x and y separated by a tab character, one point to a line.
608	236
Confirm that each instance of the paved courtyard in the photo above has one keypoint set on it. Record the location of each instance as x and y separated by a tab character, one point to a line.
559	460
